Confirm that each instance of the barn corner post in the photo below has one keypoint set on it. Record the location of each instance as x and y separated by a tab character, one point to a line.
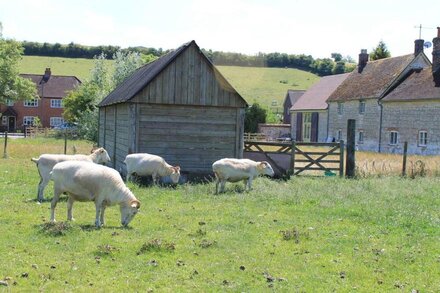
65	141
5	151
292	158
351	151
405	151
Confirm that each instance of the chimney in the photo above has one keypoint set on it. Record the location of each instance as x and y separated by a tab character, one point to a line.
418	46
46	75
436	58
363	59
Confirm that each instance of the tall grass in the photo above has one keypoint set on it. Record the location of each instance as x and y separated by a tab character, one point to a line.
307	234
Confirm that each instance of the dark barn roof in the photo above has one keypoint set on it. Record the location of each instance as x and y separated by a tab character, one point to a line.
56	86
292	96
133	84
372	81
419	85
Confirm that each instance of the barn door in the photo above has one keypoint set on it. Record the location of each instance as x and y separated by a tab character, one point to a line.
299	126
314	131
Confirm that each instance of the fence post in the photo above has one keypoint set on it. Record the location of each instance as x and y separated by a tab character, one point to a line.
351	150
292	158
341	158
5	151
65	141
405	151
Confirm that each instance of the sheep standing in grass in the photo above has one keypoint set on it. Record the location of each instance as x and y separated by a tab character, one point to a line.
234	170
46	162
86	181
143	164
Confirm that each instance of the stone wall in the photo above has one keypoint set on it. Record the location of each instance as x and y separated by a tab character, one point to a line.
272	131
408	118
368	122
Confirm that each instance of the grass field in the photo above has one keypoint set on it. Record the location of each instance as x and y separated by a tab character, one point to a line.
263	85
378	234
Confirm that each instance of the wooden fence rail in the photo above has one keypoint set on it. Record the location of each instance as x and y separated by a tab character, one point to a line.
304	157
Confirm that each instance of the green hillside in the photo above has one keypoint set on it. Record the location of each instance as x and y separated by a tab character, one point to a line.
263	85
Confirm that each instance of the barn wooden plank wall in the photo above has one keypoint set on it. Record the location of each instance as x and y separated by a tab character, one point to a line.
190	80
191	137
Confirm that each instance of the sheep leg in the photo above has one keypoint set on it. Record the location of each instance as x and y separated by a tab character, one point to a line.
102	214
248	184
69	208
56	196
222	185
41	186
155	178
128	177
98	206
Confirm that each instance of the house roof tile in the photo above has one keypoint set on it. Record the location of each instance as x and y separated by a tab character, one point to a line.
56	87
419	85
373	80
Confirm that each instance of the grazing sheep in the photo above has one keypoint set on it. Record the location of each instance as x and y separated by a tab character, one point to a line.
46	162
234	170
86	181
143	164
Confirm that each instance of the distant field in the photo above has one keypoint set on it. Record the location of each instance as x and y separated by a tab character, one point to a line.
263	85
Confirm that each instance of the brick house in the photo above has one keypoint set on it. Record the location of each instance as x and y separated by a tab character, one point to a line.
51	89
309	113
359	95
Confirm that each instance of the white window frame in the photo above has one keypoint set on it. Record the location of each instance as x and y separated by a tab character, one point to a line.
56	103
9	102
28	120
361	137
340	108
361	107
31	103
394	137
55	121
4	120
423	138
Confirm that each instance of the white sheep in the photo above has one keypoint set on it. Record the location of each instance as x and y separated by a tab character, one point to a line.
46	162
234	170
143	164
87	181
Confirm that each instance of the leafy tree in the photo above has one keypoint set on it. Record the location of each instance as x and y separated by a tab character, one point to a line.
12	86
337	57
339	67
80	105
380	52
323	66
254	114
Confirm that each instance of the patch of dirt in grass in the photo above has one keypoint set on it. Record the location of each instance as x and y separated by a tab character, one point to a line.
156	245
56	229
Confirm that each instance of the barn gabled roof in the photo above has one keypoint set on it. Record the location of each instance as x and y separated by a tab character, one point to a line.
292	96
133	84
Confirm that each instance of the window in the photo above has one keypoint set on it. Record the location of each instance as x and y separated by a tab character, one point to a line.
5	120
361	136
423	138
340	108
393	137
56	103
9	102
307	126
339	135
55	121
30	103
361	107
28	120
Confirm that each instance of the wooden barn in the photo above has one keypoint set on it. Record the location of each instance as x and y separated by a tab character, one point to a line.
179	107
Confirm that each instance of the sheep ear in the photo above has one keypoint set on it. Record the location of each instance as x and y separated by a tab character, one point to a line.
264	163
135	204
177	168
261	165
93	149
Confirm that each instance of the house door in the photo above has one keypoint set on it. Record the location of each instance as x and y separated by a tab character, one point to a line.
307	127
11	123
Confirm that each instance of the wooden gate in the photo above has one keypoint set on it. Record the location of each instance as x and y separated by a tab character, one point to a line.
305	156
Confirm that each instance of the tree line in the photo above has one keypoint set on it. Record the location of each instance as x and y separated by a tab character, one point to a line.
321	66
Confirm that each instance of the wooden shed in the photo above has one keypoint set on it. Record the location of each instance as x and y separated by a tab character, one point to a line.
179	107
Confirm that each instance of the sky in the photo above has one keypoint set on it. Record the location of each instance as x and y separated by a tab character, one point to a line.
311	27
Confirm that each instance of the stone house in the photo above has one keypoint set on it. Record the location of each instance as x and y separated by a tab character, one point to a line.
411	111
359	95
309	113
